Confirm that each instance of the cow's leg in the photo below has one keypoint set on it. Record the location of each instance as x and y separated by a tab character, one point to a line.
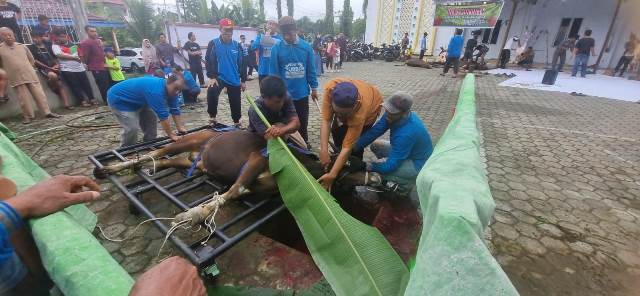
256	164
191	142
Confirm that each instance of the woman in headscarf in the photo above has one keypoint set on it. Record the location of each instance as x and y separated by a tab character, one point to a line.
150	57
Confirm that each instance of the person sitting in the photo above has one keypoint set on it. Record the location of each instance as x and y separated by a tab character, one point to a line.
403	157
47	65
277	107
133	100
525	59
349	108
192	89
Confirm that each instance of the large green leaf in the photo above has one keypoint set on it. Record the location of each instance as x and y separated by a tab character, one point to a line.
354	258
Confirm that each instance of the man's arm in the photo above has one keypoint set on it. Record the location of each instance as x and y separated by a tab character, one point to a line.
593	49
372	134
211	61
84	52
400	150
32	61
57	51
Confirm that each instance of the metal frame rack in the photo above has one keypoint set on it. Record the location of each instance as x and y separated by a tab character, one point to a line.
201	255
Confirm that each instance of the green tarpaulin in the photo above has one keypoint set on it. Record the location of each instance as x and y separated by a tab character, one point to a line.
457	206
74	259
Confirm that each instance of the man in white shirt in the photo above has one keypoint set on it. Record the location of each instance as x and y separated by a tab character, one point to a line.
423	44
505	54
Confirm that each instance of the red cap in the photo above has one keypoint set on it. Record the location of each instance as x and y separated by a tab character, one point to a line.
225	23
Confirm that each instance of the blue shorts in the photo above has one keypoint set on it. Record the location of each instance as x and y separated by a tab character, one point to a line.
12	272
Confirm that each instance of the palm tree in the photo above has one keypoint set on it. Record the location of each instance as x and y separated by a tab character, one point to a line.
328	18
279	8
290	7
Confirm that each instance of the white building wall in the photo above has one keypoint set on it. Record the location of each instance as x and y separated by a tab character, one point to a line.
546	15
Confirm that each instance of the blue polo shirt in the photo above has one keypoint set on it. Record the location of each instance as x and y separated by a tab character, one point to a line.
134	94
264	44
454	50
224	62
294	63
410	139
190	82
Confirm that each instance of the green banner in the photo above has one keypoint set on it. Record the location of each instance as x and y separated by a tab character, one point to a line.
468	15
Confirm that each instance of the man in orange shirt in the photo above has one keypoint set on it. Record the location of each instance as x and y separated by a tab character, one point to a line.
349	108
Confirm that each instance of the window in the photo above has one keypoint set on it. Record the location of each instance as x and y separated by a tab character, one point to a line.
568	27
490	36
127	53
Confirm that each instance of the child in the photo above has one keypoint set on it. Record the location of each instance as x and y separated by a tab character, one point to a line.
192	89
336	60
113	64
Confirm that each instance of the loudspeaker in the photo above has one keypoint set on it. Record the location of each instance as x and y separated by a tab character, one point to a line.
550	77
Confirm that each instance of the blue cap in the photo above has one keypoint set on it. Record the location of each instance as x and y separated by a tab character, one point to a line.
344	95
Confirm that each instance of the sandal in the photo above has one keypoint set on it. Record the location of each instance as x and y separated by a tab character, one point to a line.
26	121
4	99
85	104
238	125
52	115
69	107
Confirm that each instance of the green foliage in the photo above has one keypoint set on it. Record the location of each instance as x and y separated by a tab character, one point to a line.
328	18
354	258
142	23
346	20
290	7
359	27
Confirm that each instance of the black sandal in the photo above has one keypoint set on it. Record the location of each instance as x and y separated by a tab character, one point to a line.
4	99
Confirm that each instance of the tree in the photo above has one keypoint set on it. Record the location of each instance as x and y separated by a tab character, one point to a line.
290	7
141	20
261	13
191	9
279	8
365	5
203	14
328	18
359	28
346	19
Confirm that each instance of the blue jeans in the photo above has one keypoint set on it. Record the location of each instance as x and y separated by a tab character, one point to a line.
12	272
581	62
405	175
319	66
144	119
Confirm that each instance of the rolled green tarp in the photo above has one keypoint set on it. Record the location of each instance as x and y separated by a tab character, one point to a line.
73	258
455	198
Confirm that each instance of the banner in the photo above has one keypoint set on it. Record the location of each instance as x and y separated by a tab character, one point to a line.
468	15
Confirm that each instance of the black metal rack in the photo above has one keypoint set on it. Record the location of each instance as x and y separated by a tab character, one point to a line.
201	253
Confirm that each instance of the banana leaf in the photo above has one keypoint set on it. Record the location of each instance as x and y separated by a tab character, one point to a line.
354	257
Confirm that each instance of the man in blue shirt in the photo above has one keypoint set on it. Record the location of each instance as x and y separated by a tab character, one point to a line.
224	69
263	45
292	60
410	146
423	45
454	51
136	102
191	88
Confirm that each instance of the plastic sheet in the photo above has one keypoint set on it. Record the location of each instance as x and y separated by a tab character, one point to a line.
74	259
455	198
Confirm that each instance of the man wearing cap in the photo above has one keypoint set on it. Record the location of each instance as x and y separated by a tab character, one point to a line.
292	60
224	69
263	45
349	108
402	158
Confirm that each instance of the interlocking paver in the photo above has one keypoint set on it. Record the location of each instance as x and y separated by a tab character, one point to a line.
563	170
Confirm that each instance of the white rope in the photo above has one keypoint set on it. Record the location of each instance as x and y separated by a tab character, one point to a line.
118	240
211	219
170	232
154	164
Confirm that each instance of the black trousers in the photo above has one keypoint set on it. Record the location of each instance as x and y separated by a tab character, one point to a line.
189	96
302	108
624	63
455	61
196	71
422	51
103	81
505	55
338	134
78	82
213	93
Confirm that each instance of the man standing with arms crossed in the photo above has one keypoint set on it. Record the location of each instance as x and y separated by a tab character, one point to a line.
423	45
581	51
195	57
224	69
92	54
263	45
292	59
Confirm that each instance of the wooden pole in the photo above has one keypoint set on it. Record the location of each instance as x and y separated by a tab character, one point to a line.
508	31
116	46
606	40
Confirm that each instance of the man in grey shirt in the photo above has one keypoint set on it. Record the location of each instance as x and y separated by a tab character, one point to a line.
561	53
165	52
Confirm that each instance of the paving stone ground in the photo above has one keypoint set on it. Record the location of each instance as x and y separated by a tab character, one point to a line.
564	172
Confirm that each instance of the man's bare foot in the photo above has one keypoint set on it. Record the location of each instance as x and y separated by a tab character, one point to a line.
52	115
213	121
26	121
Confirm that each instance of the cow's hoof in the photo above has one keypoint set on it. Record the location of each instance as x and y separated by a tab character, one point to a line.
100	173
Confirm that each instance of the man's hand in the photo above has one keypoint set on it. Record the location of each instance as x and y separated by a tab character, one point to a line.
174	276
54	194
273	132
325	160
326	181
314	95
212	82
243	86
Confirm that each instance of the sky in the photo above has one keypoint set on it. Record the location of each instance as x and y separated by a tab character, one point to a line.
314	9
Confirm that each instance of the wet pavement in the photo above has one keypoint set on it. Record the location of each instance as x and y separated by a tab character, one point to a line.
564	172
